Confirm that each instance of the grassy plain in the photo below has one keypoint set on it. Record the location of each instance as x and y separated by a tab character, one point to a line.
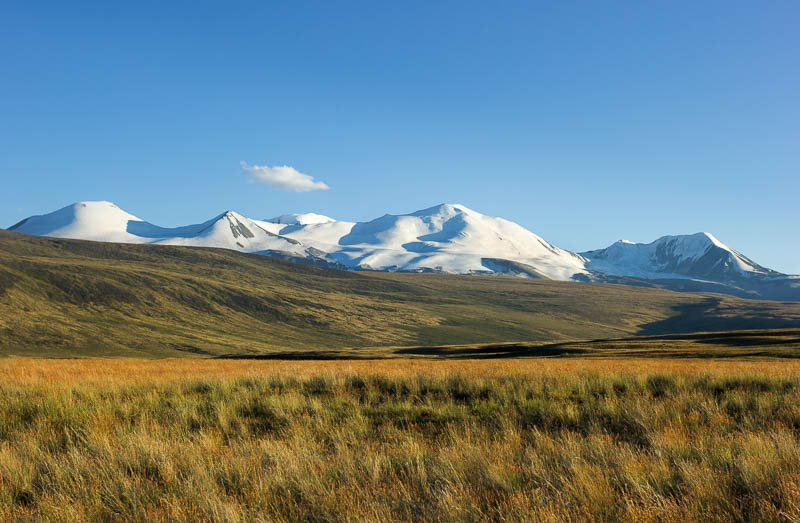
515	439
390	398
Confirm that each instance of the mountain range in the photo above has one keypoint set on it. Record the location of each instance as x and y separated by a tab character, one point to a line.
446	238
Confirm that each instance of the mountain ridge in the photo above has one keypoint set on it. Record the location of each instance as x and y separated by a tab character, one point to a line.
448	238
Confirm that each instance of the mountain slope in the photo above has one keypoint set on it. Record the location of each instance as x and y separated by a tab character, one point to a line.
62	297
450	238
446	238
695	262
104	221
698	255
97	221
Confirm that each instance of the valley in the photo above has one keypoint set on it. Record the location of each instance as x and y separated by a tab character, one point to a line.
61	297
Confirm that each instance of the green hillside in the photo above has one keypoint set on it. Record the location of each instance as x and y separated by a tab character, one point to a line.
77	298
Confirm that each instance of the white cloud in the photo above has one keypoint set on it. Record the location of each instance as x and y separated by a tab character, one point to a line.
283	177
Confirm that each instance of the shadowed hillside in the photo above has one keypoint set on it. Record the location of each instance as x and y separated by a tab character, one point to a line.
77	298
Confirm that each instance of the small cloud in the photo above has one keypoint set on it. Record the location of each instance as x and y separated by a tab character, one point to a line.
283	177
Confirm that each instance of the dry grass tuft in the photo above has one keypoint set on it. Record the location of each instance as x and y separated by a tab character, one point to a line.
548	440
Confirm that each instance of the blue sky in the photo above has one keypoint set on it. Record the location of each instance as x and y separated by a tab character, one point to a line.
586	122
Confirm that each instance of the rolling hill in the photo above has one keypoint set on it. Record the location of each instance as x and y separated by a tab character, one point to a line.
446	238
61	298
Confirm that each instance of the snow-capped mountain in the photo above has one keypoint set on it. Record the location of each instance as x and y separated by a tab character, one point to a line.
445	238
104	221
448	238
693	262
694	255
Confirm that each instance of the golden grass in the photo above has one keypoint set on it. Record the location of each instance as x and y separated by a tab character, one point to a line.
26	372
532	439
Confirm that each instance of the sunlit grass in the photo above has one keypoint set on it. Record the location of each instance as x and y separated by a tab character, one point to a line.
399	439
70	298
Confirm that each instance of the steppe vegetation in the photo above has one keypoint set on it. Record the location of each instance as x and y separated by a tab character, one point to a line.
381	396
64	298
514	439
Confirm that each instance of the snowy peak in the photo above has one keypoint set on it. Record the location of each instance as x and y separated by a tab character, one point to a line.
698	255
442	223
444	238
233	223
453	238
105	221
444	210
230	230
703	255
691	246
448	237
100	221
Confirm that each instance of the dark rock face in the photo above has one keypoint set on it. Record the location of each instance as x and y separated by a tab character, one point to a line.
716	264
238	228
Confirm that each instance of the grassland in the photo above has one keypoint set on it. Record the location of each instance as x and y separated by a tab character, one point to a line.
748	345
389	396
74	298
512	439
